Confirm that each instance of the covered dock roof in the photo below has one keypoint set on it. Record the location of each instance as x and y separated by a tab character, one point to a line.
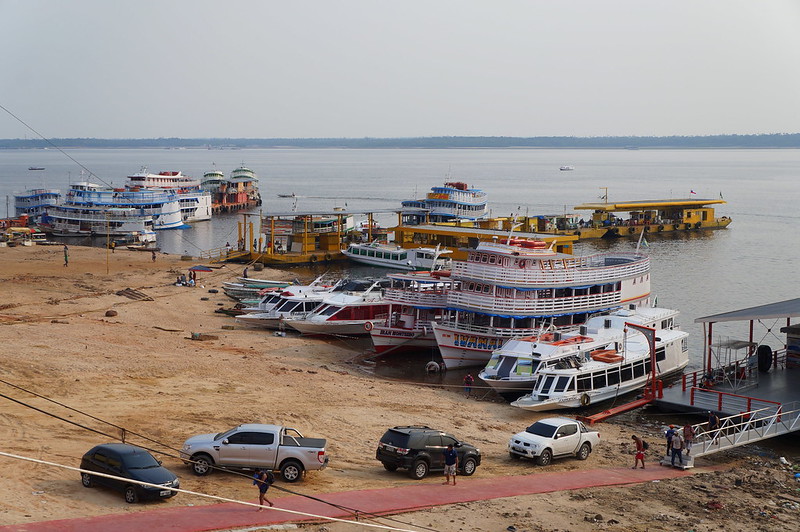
782	309
692	203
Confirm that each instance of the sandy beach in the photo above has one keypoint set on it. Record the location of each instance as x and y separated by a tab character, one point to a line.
140	370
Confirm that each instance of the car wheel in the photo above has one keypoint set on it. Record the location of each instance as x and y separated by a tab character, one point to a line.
545	458
202	464
419	470
131	497
389	467
583	452
468	467
291	471
86	480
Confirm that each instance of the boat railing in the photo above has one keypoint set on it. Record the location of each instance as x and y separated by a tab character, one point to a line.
523	306
100	216
502	332
585	273
740	369
409	297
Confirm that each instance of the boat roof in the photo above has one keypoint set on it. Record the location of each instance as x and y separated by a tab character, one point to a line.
782	309
616	206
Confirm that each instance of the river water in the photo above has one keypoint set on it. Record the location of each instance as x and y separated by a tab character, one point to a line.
701	273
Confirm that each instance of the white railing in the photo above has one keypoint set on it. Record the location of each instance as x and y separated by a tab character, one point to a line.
407	297
585	270
485	330
489	303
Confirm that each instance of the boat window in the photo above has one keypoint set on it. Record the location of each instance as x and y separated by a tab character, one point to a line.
403	256
471	287
561	384
638	369
484	257
613	377
647	366
627	373
370	252
524	366
584	383
493	362
487	288
661	354
548	382
492	259
599	380
330	310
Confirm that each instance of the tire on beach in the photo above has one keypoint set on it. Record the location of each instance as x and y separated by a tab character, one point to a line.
764	354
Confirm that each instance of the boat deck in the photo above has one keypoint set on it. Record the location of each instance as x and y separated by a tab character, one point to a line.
779	386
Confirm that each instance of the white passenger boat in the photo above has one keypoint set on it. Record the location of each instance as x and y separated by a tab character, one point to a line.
453	201
35	202
346	313
416	300
375	254
89	209
513	368
604	374
511	288
194	201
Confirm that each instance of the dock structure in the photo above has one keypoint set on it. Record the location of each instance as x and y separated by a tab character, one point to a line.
752	388
289	238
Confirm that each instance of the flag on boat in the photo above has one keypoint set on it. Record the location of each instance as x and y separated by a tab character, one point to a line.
693	192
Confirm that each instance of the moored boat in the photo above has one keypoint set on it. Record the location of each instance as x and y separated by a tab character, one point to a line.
511	288
512	369
452	201
603	374
396	257
195	202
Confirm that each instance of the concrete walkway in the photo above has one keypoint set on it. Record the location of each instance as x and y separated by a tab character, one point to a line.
383	501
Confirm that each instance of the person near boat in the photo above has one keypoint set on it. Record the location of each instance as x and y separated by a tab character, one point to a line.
688	437
468	381
640	448
677	448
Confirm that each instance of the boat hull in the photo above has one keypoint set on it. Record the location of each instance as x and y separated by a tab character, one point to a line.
313	327
398	340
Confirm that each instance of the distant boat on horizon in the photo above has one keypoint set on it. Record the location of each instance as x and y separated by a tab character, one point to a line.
565	168
36	168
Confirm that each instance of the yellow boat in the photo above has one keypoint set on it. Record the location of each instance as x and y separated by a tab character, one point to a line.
648	216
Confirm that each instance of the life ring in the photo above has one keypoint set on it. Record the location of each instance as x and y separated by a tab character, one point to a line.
697	225
433	367
646	228
328	257
660	227
313	258
586	400
675	227
368	326
687	226
631	230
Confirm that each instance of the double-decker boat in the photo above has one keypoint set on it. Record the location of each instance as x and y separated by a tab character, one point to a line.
89	209
512	371
240	191
416	300
511	287
602	374
345	313
194	201
453	201
35	202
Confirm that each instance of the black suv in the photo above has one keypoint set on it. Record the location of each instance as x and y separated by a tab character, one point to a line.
421	449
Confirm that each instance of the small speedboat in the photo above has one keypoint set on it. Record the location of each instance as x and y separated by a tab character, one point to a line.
566	168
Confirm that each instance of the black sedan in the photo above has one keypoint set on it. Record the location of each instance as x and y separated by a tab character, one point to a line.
132	463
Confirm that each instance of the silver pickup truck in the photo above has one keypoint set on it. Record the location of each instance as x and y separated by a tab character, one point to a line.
553	437
255	446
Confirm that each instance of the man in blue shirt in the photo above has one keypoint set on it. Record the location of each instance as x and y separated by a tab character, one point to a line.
450	464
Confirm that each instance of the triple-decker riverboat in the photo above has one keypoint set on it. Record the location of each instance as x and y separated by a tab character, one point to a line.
194	201
511	287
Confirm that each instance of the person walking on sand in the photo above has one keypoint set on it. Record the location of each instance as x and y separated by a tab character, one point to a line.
66	256
669	434
639	457
450	464
677	448
468	381
153	256
263	479
688	437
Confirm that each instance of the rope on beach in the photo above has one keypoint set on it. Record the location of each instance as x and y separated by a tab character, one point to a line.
125	432
215	497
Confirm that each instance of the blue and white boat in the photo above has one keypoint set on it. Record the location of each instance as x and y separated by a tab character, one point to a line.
35	202
453	201
89	209
195	202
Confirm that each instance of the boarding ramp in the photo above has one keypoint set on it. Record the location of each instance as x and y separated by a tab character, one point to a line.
224	254
742	429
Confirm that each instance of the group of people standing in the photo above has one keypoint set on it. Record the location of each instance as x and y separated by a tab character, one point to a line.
679	441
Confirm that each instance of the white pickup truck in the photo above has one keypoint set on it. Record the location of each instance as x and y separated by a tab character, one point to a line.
255	446
553	437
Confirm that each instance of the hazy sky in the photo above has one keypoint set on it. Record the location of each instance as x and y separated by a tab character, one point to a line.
404	68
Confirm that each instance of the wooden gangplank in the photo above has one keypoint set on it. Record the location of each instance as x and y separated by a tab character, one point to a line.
605	414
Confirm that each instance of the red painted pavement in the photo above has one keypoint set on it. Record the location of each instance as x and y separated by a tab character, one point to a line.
376	501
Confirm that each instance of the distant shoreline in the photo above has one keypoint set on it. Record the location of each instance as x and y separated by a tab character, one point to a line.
766	141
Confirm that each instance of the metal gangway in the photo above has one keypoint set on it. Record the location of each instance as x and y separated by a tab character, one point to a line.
742	429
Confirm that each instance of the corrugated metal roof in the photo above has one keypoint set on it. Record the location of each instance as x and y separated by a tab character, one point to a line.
783	309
